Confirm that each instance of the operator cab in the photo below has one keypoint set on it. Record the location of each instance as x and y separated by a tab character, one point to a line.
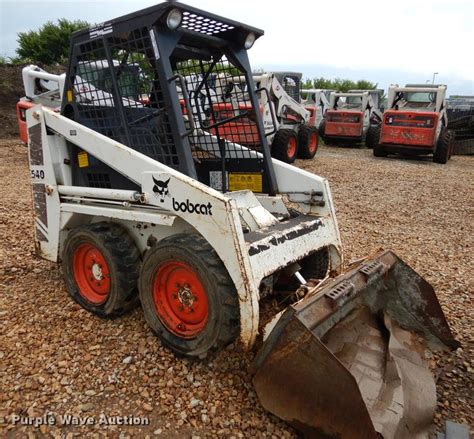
149	80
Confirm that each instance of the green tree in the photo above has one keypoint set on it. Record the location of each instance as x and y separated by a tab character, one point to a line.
339	84
50	43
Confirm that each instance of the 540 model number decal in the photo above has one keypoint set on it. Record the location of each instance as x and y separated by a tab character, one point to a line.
37	174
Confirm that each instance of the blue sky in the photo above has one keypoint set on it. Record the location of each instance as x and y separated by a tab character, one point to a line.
385	42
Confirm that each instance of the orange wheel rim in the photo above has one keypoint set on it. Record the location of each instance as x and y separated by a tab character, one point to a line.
291	147
91	273
180	299
313	142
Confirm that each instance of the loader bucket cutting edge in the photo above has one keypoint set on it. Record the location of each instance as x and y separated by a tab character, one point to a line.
347	360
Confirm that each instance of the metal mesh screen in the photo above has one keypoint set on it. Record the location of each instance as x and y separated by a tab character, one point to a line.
221	107
292	87
119	91
118	94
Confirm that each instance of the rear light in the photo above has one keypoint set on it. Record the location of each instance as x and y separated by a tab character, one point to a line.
23	114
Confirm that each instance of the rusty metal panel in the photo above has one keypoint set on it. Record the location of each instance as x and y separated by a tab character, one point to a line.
40	236
347	360
35	146
299	380
39	202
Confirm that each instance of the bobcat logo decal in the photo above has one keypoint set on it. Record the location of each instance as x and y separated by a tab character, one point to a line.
161	188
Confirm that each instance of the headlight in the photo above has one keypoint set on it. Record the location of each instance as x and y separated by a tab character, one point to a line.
249	40
174	18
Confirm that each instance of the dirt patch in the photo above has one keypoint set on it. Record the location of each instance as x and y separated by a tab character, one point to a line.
11	90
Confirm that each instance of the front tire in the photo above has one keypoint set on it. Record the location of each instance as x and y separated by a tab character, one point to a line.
307	142
373	136
315	265
322	131
285	146
188	297
100	265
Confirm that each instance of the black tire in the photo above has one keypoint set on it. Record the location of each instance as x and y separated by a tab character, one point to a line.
316	265
122	258
322	129
444	146
281	146
222	323
378	149
307	142
373	136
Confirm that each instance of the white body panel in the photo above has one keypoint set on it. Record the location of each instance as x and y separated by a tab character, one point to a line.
317	102
187	206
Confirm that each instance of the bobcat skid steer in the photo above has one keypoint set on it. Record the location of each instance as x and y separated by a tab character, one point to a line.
352	117
285	120
415	123
141	204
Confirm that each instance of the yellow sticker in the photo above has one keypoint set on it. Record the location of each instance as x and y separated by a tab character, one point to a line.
83	159
70	96
240	182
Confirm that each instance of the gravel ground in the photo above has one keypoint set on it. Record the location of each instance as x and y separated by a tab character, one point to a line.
57	358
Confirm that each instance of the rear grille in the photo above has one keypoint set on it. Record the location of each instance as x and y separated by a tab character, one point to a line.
343	117
410	120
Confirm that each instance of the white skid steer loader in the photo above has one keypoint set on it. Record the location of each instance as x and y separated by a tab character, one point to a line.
140	202
285	120
316	103
352	117
415	123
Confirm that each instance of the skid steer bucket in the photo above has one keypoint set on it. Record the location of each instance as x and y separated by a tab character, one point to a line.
347	360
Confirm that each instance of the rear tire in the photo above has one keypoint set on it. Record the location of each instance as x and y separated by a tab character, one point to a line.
307	142
285	146
188	297
444	146
378	149
100	264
